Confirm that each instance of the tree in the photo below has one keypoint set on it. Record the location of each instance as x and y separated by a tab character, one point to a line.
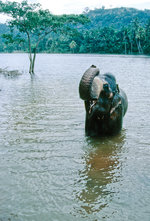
73	45
125	38
138	31
147	38
36	24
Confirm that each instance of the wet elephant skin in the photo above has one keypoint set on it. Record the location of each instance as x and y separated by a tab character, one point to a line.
105	103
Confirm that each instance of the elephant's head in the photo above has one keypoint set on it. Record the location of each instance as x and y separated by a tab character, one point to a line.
99	91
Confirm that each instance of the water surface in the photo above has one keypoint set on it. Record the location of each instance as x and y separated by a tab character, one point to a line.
49	169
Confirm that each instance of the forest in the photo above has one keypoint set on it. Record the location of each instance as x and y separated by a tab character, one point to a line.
117	31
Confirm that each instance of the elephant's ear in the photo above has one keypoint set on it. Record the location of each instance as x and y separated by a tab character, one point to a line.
89	84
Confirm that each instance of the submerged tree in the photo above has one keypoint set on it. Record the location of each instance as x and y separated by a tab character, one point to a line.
36	24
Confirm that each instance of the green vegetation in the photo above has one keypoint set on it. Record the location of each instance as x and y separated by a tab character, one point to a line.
116	17
31	25
118	30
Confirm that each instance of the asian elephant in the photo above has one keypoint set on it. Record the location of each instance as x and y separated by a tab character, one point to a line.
105	103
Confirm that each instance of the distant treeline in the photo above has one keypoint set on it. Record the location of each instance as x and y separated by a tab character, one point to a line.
119	31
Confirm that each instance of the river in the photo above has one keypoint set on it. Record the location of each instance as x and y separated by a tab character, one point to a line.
49	169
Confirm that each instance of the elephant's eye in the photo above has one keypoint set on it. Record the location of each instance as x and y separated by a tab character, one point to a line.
105	87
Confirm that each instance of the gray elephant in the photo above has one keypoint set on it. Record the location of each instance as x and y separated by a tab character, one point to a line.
105	103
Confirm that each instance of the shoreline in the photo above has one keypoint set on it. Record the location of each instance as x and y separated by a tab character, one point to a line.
100	54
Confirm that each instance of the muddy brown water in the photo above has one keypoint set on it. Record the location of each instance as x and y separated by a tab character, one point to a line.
49	169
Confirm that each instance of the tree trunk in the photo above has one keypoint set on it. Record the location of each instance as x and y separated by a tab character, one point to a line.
138	43
30	58
125	49
33	61
131	47
34	57
140	47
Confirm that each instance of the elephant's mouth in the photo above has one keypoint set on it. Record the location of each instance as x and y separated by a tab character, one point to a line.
95	109
100	111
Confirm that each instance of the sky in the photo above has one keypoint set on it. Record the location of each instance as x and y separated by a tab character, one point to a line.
78	6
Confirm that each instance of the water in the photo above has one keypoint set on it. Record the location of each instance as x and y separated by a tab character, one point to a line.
49	169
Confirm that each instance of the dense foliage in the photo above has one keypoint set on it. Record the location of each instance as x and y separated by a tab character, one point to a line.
116	17
119	30
33	25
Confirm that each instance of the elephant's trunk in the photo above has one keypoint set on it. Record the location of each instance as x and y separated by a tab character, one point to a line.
90	85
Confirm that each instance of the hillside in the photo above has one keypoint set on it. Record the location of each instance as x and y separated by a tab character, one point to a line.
116	17
110	31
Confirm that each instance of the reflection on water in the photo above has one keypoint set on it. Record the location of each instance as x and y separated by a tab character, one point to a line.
102	167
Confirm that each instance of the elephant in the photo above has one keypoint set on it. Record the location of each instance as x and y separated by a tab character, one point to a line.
105	103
